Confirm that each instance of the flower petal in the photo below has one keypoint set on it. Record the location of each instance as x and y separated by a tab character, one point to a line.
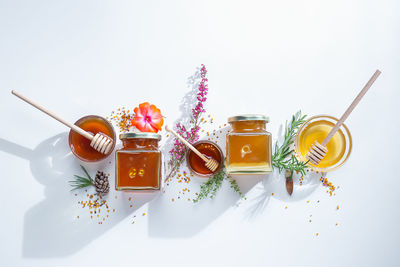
137	112
139	123
153	111
144	108
150	128
157	123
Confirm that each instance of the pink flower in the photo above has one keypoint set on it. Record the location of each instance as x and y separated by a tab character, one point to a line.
147	118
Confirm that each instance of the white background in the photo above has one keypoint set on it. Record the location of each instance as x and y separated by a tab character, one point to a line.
270	57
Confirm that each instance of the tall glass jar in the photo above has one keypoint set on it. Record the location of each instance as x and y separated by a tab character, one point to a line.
248	145
138	162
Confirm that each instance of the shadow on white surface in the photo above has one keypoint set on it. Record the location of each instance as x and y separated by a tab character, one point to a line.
182	218
51	227
274	185
185	107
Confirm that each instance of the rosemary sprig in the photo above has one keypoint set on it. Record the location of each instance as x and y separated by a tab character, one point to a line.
81	182
211	186
283	158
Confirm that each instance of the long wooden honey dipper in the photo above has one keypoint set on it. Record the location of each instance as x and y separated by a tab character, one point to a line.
100	142
210	163
318	151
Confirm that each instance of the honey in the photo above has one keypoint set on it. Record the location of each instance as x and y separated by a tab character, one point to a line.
248	145
316	129
138	162
80	145
208	149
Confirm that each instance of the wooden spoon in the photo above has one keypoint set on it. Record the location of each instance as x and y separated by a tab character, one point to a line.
100	142
318	151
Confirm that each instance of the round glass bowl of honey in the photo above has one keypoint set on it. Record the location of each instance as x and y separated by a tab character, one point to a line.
248	145
208	149
80	145
138	162
316	129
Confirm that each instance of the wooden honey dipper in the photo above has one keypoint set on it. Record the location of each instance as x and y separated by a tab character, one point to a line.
100	142
210	163
318	151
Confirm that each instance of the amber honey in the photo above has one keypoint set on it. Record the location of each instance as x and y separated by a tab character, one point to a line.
316	129
248	145
208	149
80	145
138	162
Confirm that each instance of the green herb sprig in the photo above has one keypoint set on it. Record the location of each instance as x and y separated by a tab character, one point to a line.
211	186
81	182
235	187
283	158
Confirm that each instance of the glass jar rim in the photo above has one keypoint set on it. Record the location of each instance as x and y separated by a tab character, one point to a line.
142	135
249	117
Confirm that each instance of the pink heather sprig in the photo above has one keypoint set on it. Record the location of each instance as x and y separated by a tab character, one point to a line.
179	150
201	95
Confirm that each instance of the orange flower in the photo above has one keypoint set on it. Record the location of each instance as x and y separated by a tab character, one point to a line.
147	118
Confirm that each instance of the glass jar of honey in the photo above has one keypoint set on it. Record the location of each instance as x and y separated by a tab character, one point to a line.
138	162
248	145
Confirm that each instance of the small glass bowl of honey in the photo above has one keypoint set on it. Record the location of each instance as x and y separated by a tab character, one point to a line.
316	129
80	145
210	150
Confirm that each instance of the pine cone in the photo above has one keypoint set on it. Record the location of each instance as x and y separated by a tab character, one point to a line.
101	183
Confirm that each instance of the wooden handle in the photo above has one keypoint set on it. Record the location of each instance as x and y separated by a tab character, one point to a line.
51	114
351	107
186	143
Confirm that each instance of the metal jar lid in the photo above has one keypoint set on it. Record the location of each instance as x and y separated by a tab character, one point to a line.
249	117
138	135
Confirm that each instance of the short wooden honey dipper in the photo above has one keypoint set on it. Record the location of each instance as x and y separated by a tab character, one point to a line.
100	142
318	151
210	163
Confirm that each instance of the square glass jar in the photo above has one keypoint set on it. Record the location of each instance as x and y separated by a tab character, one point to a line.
248	145
138	162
